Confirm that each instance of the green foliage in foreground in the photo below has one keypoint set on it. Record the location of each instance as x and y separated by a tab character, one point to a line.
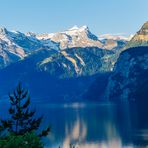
28	140
20	130
22	119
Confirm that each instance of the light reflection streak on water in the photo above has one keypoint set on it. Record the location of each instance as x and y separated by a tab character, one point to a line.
86	126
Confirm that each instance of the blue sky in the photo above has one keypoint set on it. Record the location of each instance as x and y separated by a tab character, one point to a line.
102	16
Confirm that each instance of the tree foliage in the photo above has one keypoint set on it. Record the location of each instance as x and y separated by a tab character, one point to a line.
22	118
28	140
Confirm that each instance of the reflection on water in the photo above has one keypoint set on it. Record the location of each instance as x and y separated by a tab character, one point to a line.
87	126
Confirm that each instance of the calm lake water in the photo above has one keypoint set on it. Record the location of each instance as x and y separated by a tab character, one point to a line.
91	126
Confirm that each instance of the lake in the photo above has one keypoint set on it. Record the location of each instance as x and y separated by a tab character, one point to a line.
91	125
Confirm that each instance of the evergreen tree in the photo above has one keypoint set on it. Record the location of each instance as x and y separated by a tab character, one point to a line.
22	118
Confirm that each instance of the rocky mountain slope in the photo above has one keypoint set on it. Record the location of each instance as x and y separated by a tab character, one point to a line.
75	62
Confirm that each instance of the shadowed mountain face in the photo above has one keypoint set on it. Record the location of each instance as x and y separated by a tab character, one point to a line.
95	92
130	75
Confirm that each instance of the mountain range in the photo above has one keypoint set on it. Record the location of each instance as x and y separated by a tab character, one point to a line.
15	45
64	66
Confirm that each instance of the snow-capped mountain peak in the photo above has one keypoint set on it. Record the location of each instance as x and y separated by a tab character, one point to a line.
77	30
82	28
15	45
74	28
73	37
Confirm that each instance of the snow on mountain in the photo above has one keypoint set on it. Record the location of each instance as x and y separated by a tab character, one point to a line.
73	37
44	42
115	37
114	41
15	45
9	50
75	30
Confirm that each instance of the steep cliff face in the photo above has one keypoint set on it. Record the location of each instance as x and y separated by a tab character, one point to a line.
129	80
